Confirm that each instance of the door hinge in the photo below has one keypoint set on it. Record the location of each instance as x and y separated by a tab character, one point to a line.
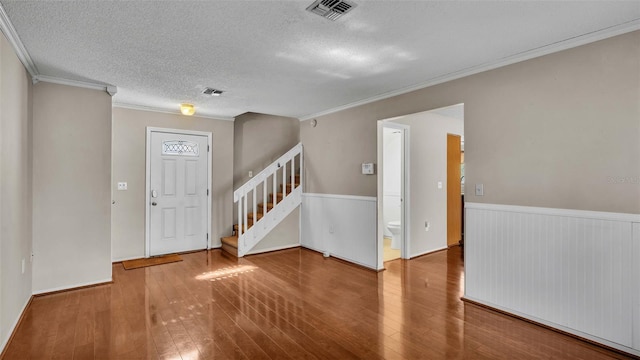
207	192
207	236
208	148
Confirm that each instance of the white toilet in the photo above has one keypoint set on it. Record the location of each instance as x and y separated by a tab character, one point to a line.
396	232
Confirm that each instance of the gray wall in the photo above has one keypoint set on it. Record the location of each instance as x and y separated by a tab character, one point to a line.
551	131
71	187
129	148
15	189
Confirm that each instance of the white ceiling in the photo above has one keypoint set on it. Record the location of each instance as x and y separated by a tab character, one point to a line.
276	58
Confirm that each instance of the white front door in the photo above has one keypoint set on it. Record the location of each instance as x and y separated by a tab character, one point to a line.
178	183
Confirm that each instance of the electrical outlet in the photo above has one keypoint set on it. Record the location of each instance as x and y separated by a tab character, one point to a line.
479	190
250	173
23	267
122	186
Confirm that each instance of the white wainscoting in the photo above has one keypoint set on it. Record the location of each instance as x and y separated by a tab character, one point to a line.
575	270
345	226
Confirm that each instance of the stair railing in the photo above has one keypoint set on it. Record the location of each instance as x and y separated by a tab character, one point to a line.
281	171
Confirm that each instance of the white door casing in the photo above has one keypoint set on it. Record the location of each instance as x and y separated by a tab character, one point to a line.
405	190
178	202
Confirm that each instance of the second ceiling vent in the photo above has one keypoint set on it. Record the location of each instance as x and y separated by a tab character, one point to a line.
212	91
331	9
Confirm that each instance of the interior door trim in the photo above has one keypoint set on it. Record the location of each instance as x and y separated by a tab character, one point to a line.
147	195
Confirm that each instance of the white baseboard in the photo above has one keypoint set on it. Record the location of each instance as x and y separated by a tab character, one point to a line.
71	287
12	328
275	248
342	258
126	259
427	252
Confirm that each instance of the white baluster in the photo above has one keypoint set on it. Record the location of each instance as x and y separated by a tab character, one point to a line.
275	184
264	196
255	210
239	231
284	180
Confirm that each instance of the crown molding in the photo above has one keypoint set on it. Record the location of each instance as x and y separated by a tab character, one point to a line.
76	83
12	36
569	43
166	111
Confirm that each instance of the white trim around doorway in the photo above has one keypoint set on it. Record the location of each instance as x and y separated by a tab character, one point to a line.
405	196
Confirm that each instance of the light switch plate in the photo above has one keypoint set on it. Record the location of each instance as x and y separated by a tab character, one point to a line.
122	186
439	184
479	190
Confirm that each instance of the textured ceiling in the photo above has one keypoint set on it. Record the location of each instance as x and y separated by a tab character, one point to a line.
276	58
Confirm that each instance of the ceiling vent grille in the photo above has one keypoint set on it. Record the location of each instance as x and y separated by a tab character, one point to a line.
212	91
331	9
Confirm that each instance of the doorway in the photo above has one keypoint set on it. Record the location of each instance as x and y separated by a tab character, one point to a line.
178	203
455	197
393	191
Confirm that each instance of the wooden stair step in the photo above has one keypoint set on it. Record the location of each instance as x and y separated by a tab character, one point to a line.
230	245
289	187
279	196
249	222
259	214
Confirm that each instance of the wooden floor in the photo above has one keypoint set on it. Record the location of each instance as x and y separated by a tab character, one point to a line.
289	304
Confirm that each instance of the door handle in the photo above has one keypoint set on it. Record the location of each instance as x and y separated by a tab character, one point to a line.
154	203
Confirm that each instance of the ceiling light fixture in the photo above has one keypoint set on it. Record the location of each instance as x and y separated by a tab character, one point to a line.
187	109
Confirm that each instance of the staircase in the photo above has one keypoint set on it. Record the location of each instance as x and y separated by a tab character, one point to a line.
278	186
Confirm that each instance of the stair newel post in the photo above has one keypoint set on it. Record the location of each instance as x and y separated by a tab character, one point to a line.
301	168
293	172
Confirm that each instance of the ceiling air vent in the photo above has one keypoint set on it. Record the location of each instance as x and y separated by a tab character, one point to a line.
212	91
331	9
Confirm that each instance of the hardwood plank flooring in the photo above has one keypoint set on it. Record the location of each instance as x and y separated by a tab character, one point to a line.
292	304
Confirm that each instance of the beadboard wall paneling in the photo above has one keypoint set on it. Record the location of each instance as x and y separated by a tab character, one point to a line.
577	270
345	226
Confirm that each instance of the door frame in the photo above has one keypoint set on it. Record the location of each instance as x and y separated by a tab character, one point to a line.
147	226
405	210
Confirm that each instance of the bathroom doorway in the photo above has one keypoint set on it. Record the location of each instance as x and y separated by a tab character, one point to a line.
393	196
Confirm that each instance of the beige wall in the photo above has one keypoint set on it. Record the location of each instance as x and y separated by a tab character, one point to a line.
15	189
428	156
129	164
550	132
260	139
71	186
